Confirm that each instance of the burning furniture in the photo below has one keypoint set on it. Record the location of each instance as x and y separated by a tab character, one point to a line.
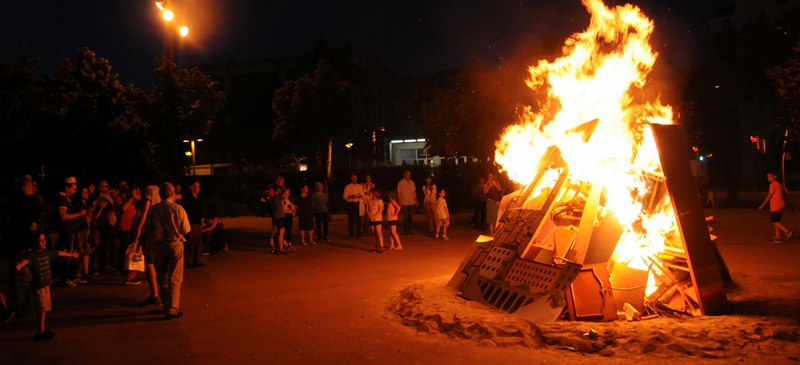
610	221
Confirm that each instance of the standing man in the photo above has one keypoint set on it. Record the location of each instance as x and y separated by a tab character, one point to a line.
105	224
353	193
69	219
407	195
23	225
167	225
479	216
776	205
194	241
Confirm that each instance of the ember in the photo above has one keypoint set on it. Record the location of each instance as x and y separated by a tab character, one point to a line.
596	228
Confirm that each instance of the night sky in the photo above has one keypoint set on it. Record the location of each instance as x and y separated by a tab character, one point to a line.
410	37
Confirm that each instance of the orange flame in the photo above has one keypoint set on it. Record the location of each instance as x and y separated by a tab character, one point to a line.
598	80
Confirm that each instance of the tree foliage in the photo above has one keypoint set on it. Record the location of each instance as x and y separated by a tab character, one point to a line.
786	80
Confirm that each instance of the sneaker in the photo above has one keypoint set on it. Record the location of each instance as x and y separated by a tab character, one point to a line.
436	237
173	316
788	236
445	238
43	336
132	282
7	315
69	283
206	253
151	300
773	240
79	280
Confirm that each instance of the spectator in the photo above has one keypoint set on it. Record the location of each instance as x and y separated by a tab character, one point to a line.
407	196
429	202
366	187
128	212
69	220
278	220
194	241
353	193
375	213
776	206
392	211
167	227
150	198
479	216
39	260
289	211
214	234
24	224
178	195
494	194
105	224
305	216
443	216
321	212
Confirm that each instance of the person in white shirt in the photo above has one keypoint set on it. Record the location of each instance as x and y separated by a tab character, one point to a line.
353	193
407	194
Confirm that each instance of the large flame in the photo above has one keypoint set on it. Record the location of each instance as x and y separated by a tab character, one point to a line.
599	79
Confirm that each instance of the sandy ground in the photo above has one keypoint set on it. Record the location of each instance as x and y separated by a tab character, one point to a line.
337	303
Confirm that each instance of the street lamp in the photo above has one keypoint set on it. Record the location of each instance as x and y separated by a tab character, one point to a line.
349	160
193	154
168	15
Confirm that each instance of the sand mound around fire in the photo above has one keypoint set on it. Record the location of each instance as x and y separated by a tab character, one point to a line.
430	307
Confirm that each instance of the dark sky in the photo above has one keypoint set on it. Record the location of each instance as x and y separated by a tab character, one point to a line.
409	36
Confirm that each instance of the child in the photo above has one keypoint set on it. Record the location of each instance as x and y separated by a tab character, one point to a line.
375	213
39	260
392	210
443	216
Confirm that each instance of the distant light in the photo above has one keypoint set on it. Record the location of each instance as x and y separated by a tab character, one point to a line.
396	141
716	86
160	7
188	153
421	140
199	140
409	140
184	31
702	158
168	15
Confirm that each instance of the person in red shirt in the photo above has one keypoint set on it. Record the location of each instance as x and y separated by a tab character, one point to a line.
776	205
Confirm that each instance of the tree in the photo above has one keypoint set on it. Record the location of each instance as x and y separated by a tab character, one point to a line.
786	81
316	108
183	105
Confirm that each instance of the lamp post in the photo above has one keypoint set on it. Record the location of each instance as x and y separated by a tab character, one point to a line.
169	36
194	155
349	160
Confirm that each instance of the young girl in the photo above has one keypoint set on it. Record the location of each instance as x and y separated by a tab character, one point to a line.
375	213
289	211
392	211
429	191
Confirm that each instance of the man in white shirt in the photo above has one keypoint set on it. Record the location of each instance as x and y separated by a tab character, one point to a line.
353	193
407	197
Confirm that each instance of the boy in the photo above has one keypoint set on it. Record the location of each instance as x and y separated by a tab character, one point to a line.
39	260
443	216
776	205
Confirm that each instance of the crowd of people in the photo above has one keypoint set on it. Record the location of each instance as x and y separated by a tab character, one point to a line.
99	229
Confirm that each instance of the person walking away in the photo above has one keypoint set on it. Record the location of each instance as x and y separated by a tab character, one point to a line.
321	212
392	212
429	202
375	213
352	195
128	212
39	261
407	195
151	197
776	205
167	226
443	216
194	241
305	216
494	194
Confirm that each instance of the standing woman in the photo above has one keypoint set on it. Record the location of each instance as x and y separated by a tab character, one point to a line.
305	215
494	193
375	213
321	211
392	213
367	187
429	191
289	211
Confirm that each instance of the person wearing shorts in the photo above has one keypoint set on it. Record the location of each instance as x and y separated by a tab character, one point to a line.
776	206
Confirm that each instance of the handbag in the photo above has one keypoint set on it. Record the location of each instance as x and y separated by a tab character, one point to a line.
134	259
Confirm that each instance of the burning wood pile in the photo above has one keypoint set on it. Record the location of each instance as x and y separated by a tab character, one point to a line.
610	224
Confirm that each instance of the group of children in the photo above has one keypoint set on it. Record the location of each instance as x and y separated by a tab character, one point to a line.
374	210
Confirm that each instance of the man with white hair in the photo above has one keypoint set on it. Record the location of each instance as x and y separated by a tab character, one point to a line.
167	226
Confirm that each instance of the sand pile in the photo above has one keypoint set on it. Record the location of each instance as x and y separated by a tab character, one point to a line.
430	307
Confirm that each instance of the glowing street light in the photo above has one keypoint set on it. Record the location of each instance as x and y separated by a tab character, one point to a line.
184	31
349	160
192	153
168	15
